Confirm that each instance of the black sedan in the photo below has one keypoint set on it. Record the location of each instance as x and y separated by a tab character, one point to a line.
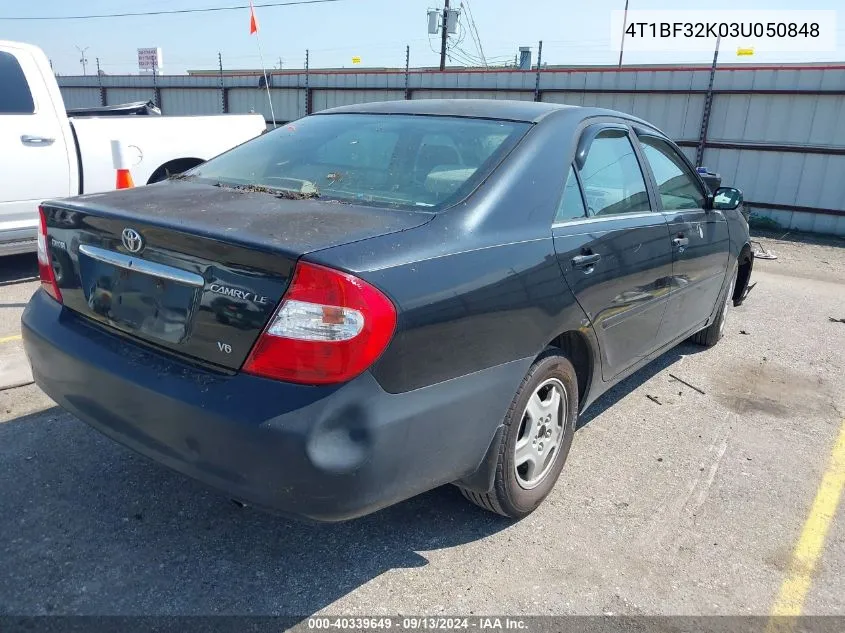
379	299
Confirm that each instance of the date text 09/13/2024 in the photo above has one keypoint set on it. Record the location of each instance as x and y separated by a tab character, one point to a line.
419	623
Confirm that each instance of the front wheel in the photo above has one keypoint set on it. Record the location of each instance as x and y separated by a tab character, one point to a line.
539	428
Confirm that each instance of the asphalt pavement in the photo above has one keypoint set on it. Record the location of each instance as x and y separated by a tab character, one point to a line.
693	504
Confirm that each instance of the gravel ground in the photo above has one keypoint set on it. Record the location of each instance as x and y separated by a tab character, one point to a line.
692	506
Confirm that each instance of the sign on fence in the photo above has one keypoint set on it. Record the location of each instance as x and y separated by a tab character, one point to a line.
150	59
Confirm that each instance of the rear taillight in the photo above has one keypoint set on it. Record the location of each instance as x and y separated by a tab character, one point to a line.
329	328
45	264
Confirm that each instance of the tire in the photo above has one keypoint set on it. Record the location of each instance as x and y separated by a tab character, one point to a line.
713	333
520	486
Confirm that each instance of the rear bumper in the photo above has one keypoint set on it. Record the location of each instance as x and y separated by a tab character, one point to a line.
325	453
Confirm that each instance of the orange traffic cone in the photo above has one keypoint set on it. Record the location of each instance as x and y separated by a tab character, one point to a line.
121	165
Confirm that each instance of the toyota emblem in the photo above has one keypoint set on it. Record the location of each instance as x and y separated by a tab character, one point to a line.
132	240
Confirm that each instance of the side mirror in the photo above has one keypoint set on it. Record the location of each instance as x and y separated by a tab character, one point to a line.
727	198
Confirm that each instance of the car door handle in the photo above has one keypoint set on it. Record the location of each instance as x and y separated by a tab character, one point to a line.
36	141
680	241
586	261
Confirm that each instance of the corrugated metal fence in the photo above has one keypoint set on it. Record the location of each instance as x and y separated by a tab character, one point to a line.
778	133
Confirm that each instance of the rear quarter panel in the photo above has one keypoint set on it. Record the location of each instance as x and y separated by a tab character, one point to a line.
150	142
470	311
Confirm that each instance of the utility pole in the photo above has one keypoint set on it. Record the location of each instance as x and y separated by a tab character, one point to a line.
444	36
83	60
281	63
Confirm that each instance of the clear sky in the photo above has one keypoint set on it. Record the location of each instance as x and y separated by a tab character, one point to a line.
573	32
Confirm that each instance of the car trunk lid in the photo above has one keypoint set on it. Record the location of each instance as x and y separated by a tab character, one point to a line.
195	269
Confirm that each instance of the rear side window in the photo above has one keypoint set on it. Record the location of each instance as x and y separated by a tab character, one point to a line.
15	97
571	204
613	180
675	183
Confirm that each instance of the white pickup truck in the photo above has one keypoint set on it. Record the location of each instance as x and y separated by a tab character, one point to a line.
45	154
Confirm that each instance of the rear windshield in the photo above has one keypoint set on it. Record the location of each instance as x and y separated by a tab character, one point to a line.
400	161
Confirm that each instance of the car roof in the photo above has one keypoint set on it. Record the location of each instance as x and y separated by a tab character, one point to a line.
527	111
499	109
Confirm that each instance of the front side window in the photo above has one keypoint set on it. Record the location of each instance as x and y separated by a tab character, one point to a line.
398	161
675	184
613	180
15	97
571	205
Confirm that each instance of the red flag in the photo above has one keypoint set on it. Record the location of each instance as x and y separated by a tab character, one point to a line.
253	22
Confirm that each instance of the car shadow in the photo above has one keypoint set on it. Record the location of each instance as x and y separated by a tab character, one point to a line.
91	528
624	387
18	269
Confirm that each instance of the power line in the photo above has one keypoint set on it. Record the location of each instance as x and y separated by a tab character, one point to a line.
469	57
473	27
461	33
461	56
455	50
472	36
166	12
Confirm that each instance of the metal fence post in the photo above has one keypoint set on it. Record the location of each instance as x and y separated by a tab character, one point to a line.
708	105
539	65
407	73
224	94
100	84
307	87
156	90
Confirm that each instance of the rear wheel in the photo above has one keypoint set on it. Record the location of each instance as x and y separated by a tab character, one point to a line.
713	333
539	427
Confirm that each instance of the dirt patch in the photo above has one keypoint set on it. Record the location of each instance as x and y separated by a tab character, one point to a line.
772	389
802	255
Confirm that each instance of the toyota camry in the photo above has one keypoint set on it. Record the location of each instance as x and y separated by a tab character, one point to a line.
380	299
